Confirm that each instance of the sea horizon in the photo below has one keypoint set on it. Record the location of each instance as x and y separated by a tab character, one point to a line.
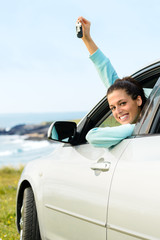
9	120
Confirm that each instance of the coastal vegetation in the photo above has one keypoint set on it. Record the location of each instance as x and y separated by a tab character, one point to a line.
8	186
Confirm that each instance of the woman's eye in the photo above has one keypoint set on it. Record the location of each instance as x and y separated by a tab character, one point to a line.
112	108
122	103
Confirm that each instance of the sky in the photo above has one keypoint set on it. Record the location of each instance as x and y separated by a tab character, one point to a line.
44	67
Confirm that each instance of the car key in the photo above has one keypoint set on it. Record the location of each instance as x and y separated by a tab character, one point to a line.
79	29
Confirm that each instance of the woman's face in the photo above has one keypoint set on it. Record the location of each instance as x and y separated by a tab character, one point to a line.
124	108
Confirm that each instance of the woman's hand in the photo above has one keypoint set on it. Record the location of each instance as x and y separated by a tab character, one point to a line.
91	46
85	27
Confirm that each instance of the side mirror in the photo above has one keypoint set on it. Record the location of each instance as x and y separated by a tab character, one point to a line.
62	131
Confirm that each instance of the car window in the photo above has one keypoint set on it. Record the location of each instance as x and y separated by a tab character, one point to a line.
110	121
147	91
101	115
155	128
151	113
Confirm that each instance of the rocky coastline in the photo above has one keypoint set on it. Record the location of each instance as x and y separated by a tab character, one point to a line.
31	131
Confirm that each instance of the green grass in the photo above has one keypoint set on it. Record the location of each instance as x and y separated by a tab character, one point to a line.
8	186
109	122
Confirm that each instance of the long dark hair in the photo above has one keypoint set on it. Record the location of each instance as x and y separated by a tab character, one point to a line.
131	86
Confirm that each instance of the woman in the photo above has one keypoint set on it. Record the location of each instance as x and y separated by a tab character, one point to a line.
125	96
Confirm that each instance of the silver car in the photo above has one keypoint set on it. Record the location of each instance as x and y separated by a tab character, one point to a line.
81	193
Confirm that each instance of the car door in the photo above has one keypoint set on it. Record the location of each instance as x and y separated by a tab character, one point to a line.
76	190
134	204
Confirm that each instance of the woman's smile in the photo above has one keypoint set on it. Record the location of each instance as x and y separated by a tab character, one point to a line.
124	117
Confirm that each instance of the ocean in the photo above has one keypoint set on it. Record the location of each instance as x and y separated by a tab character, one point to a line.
8	120
16	150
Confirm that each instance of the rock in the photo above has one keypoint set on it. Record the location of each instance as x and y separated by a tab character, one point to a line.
17	130
33	131
3	131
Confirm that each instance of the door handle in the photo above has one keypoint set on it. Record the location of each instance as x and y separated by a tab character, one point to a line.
101	165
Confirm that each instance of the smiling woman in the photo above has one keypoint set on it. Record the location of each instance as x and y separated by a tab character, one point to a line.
126	99
125	96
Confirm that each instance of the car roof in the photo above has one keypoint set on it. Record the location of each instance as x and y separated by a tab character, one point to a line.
148	75
147	68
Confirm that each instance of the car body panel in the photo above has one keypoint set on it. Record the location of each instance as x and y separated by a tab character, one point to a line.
134	203
76	196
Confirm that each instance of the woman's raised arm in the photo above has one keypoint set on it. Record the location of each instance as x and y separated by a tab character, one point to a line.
103	65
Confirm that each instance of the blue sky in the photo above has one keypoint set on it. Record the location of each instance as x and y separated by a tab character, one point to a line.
44	67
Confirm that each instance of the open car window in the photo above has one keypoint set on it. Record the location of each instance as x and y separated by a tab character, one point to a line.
110	121
101	116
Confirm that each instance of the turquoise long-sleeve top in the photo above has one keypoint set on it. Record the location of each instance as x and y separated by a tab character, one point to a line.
108	136
104	67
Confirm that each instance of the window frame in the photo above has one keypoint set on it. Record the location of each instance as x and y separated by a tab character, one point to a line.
146	76
143	127
155	123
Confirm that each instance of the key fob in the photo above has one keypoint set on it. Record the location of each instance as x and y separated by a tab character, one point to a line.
79	30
